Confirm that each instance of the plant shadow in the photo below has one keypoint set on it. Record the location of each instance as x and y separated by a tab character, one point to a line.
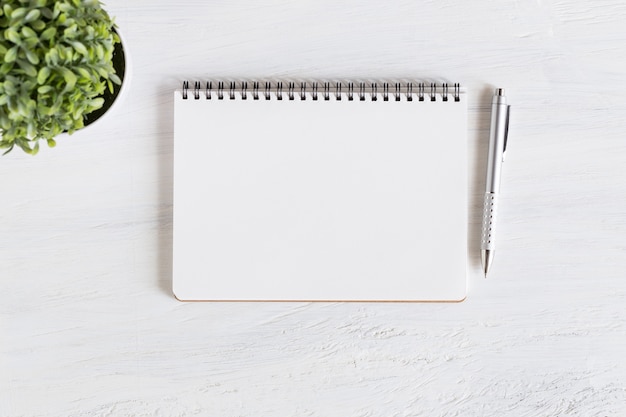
165	111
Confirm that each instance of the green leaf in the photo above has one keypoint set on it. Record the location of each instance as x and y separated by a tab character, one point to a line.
48	33
38	25
14	110
27	67
69	77
10	148
99	88
43	75
71	31
25	145
31	130
6	68
46	111
28	86
18	13
5	123
84	73
96	103
64	7
11	54
7	10
115	79
47	13
66	54
52	57
102	71
12	35
28	32
79	47
32	57
29	43
9	87
44	89
32	16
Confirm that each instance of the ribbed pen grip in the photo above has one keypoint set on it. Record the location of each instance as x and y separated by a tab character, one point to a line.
490	211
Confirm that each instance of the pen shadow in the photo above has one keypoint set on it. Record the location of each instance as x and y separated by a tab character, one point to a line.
479	143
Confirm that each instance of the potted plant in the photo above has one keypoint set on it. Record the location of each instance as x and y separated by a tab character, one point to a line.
61	64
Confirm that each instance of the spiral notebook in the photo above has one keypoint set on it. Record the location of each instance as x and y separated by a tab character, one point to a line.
346	191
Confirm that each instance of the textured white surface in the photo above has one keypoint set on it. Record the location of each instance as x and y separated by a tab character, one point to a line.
88	325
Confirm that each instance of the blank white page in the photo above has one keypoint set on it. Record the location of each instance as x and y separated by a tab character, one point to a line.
319	200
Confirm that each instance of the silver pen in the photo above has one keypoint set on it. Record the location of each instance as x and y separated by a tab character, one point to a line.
498	135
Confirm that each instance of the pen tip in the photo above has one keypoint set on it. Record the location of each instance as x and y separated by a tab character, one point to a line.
487	259
499	91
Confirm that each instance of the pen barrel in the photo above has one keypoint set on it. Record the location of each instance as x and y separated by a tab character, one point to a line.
497	138
490	212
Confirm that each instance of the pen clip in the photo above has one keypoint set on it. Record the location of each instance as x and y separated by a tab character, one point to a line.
506	131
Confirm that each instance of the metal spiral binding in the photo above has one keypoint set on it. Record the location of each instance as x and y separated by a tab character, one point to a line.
185	89
390	91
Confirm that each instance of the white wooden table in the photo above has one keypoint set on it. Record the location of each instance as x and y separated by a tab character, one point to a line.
88	324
